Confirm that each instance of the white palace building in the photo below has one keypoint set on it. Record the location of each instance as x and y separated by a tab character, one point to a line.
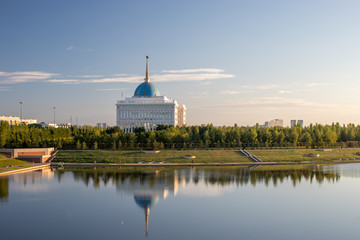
148	109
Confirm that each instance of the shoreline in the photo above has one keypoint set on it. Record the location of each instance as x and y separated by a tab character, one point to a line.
24	169
94	165
57	164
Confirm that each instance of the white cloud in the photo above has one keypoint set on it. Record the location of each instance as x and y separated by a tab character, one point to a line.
262	87
270	102
198	70
70	48
129	79
190	77
90	76
284	91
205	83
65	81
198	97
174	76
4	89
111	89
170	77
232	92
315	84
23	77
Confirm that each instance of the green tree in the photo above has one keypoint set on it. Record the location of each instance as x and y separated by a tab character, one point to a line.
59	144
306	139
4	133
78	145
155	145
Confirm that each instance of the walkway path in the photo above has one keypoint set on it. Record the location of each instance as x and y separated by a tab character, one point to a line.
253	157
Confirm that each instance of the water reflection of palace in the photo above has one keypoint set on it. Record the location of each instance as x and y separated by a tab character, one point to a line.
150	185
147	193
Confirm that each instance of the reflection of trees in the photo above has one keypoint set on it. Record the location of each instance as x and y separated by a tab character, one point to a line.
118	176
213	176
4	189
243	176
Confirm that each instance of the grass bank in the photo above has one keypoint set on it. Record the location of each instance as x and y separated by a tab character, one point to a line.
203	156
300	155
12	164
100	156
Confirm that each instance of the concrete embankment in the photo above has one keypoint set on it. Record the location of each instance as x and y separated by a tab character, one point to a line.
25	169
193	164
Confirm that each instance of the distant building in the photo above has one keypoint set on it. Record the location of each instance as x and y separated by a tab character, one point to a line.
64	125
292	123
16	120
299	122
101	125
275	123
148	109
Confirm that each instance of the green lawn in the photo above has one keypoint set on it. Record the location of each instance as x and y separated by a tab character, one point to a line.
203	156
3	156
292	155
13	162
210	156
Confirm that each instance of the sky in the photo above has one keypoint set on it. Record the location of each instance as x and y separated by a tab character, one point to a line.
242	62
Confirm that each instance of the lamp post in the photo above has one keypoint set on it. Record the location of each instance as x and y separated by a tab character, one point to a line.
21	103
54	116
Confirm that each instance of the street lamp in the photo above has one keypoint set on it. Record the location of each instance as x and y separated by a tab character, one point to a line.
54	116
21	116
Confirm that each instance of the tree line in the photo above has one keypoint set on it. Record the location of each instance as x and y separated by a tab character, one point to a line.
190	137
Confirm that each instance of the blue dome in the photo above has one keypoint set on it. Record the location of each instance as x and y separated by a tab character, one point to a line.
146	89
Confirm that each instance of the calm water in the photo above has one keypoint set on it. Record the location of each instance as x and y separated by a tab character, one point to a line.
277	202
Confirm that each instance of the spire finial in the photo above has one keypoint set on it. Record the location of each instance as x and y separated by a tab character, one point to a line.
147	79
147	211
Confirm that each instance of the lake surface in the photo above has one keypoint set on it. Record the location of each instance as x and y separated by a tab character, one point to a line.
267	202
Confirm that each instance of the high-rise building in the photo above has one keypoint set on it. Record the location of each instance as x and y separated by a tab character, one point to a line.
292	123
101	125
148	109
301	123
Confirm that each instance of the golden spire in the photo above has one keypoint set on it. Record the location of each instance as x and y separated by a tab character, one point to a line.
147	79
147	211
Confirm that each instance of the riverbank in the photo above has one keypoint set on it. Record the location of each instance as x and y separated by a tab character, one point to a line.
185	158
24	168
160	164
205	156
7	164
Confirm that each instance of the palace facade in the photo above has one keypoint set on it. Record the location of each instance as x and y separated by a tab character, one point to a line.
148	109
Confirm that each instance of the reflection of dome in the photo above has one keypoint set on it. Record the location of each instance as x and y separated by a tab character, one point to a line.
146	89
144	201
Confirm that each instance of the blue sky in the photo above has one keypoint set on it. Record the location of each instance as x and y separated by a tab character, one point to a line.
229	62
